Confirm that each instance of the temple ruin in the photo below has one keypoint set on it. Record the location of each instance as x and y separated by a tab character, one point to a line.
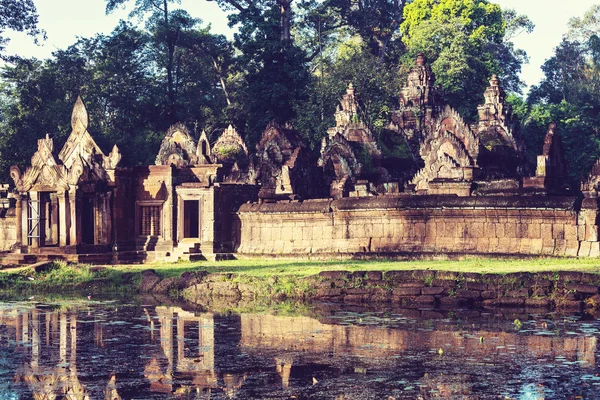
468	191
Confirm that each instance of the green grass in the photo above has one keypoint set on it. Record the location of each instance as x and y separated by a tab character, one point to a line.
300	268
123	279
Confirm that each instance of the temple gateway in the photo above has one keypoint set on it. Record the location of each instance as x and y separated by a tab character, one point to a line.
468	192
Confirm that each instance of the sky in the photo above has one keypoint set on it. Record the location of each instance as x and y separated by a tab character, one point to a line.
65	20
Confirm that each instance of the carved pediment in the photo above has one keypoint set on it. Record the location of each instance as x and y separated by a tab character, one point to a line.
44	171
177	148
81	146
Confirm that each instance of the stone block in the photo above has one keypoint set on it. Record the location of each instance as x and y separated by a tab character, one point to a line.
584	249
445	283
558	231
582	288
432	291
321	293
524	292
475	286
560	247
539	303
374	275
571	305
446	275
505	302
489	230
469	294
407	291
399	276
510	230
570	232
425	300
448	301
546	231
334	275
572	248
489	294
414	284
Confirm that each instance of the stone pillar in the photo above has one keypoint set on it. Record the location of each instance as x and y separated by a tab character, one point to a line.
63	228
34	220
19	220
180	219
54	218
73	234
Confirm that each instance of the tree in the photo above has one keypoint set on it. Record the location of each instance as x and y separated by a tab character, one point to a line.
466	42
167	26
274	70
20	16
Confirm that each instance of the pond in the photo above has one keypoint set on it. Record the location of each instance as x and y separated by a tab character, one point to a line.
119	350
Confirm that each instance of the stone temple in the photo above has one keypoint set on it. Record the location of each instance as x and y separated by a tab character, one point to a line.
468	191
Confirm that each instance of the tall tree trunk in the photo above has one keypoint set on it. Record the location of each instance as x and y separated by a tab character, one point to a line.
286	19
170	57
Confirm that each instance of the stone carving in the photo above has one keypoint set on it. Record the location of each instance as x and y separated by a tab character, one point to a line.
590	186
177	148
231	152
449	152
348	141
340	166
418	102
81	148
44	171
283	165
502	151
551	170
203	150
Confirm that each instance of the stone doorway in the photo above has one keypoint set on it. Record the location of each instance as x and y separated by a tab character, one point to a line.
42	219
87	220
191	219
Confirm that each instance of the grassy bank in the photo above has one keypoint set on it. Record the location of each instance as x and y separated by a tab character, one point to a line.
124	279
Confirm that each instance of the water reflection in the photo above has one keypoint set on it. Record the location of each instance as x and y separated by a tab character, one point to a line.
113	351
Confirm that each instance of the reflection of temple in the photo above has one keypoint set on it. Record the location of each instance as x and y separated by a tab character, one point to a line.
179	353
50	339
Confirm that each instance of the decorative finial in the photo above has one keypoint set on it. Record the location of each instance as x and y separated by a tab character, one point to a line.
421	59
494	81
79	114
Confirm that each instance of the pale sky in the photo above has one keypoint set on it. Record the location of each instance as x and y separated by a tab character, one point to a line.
64	20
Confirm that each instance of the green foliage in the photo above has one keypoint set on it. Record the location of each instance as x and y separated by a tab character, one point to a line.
20	16
569	94
466	42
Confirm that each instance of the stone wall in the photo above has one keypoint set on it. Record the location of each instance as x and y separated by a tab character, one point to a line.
8	229
534	225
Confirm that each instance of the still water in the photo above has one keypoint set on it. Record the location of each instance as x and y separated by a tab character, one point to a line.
115	350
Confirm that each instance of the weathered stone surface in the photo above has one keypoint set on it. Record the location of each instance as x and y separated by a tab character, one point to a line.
425	300
469	294
480	286
506	302
374	275
166	285
448	301
489	294
334	274
406	291
149	280
524	292
582	288
539	303
434	290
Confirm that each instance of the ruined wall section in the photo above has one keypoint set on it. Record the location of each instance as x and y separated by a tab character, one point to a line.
533	225
8	223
